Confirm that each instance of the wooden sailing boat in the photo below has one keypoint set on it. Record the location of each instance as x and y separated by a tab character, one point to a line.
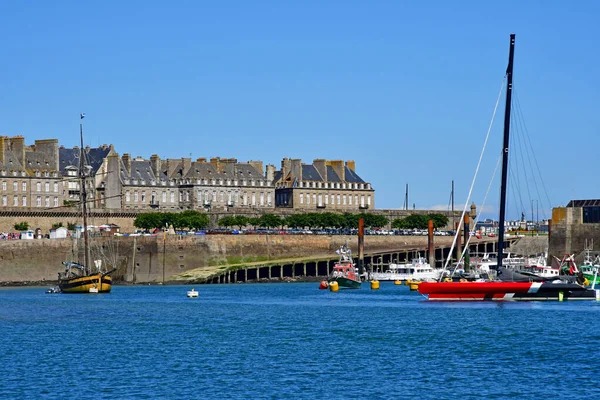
78	277
506	290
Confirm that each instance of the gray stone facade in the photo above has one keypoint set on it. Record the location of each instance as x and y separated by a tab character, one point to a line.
46	176
324	184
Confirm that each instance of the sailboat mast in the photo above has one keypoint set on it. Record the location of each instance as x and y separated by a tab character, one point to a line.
505	146
86	247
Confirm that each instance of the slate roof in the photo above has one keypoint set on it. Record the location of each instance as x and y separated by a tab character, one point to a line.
352	177
36	160
583	203
70	157
140	170
10	162
201	170
310	173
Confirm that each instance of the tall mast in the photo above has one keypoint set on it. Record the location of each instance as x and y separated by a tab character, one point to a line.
86	249
452	196
505	146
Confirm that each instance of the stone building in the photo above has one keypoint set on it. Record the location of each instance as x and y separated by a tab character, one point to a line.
575	227
30	175
324	184
176	184
96	160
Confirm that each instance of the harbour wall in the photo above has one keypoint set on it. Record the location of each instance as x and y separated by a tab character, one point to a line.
141	259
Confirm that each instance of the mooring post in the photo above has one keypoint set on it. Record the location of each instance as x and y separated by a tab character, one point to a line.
361	246
466	232
430	243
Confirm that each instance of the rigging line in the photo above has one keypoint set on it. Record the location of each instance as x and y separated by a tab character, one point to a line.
514	187
487	136
513	167
535	158
478	216
520	146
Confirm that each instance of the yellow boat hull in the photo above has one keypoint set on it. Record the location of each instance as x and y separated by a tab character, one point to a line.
83	284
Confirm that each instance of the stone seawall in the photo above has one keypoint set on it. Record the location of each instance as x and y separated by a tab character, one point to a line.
140	259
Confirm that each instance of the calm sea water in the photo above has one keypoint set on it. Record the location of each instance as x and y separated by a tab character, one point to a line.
290	340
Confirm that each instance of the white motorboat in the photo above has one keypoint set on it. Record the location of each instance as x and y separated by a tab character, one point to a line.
192	293
418	270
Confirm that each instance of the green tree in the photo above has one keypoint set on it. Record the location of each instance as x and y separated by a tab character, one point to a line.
240	221
149	220
413	221
21	226
254	221
57	225
270	221
192	219
439	220
71	226
227	221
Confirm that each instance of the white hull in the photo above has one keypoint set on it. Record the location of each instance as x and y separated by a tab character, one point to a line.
418	270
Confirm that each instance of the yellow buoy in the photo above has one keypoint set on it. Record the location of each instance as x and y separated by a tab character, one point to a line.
560	296
407	282
414	285
333	286
374	285
397	282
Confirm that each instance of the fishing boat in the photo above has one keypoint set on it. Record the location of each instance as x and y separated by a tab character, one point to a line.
344	271
86	277
506	288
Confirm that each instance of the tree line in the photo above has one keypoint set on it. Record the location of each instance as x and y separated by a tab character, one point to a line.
191	219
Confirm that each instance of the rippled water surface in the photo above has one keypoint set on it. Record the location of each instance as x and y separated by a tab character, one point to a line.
291	340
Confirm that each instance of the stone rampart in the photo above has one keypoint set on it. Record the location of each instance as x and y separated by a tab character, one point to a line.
140	259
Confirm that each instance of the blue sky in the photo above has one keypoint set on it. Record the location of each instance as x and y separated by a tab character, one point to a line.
406	89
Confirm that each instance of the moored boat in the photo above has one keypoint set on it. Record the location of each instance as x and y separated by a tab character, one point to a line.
506	287
419	269
344	271
83	277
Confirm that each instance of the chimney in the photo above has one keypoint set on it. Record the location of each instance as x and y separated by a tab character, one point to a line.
127	162
17	146
201	160
321	167
155	165
286	167
49	148
270	174
351	165
257	165
228	166
2	144
338	167
297	168
216	162
112	182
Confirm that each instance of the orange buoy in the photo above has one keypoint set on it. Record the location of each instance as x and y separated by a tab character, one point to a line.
323	285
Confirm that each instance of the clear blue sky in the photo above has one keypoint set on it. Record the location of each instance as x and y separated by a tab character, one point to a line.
403	88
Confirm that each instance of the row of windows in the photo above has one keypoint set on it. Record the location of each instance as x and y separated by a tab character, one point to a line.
334	199
214	182
333	185
207	197
38	201
203	197
38	186
141	197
